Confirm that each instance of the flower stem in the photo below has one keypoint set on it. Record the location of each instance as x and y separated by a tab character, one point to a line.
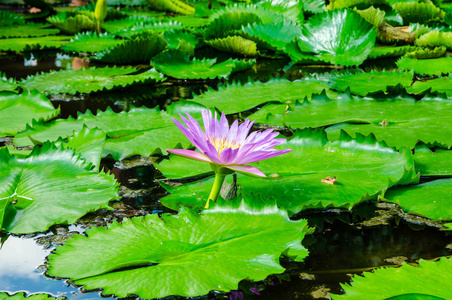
219	179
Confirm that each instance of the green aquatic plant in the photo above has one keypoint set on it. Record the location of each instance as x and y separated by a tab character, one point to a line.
390	51
181	40
23	296
73	81
90	42
425	53
429	280
100	12
435	38
8	18
441	85
176	6
419	12
50	186
339	37
7	84
321	174
188	254
433	161
28	30
145	28
71	23
31	44
434	66
236	45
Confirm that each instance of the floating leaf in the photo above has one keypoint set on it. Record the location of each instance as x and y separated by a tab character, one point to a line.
291	10
425	53
188	254
7	84
89	143
23	296
51	186
145	28
27	30
18	110
435	38
91	42
73	81
430	279
177	65
390	51
141	131
236	45
339	37
414	12
72	23
124	23
133	51
28	44
364	168
441	85
8	18
361	83
229	21
434	66
433	163
252	94
181	40
175	6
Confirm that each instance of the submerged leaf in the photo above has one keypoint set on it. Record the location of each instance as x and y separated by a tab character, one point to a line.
50	186
339	37
188	254
73	81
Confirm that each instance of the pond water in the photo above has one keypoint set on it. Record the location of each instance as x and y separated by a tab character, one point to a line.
344	243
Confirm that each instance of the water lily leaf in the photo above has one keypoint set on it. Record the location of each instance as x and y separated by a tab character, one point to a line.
8	18
141	131
361	83
425	53
36	43
116	25
228	22
175	64
435	38
7	84
236	45
181	40
252	94
273	36
429	278
355	3
434	66
390	51
27	30
175	6
414	12
291	10
23	296
433	163
133	51
72	23
91	42
89	143
73	81
18	110
339	37
314	6
441	85
145	28
188	254
51	186
363	167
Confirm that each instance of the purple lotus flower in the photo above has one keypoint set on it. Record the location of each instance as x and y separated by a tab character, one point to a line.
228	147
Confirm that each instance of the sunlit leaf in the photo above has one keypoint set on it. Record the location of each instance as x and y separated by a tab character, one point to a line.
8	18
175	6
236	45
91	42
188	254
429	278
28	44
363	167
414	12
145	28
23	296
18	110
434	66
441	84
28	30
7	84
433	163
73	81
51	186
73	23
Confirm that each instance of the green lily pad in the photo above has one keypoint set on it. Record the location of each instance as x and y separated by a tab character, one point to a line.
339	37
175	64
89	143
433	163
291	10
252	94
236	45
124	23
73	81
28	30
8	18
18	110
441	85
145	28
141	131
91	42
7	84
51	186
435	38
434	66
181	40
133	51
414	12
363	167
426	53
361	83
36	43
430	279
23	296
188	254
175	6
71	23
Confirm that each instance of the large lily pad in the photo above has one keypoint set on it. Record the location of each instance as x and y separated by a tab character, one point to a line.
176	6
28	44
18	110
430	199
8	18
236	45
252	94
339	37
390	51
430	279
441	85
363	167
141	131
435	38
433	163
51	186
91	42
7	84
145	28
415	12
435	66
71	23
23	296
175	64
188	254
28	30
73	81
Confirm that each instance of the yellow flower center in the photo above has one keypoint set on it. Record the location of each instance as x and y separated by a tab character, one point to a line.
221	144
